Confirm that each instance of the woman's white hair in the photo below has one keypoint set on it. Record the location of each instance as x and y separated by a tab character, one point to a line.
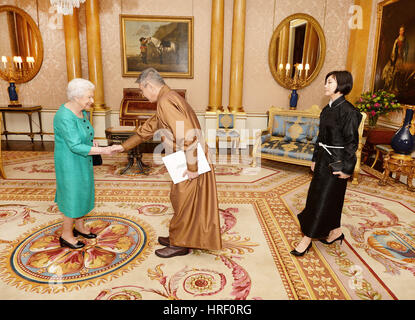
78	87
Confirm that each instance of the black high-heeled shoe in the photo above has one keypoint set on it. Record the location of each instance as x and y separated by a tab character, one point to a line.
299	254
341	238
87	236
65	243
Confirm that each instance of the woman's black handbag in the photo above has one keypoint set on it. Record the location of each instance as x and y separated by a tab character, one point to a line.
336	166
96	160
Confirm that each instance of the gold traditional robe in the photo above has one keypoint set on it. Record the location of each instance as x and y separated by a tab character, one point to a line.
195	223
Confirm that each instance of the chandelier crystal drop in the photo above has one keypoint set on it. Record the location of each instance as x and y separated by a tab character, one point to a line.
66	6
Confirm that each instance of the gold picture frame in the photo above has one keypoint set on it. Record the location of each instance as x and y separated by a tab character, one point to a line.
393	64
162	42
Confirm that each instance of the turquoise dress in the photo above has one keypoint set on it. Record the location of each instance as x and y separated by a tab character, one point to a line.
75	190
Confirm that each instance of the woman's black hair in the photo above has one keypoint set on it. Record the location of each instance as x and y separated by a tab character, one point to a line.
344	81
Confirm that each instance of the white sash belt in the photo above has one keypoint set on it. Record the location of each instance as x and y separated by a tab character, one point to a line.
325	146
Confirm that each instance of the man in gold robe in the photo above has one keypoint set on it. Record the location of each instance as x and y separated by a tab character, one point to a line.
195	222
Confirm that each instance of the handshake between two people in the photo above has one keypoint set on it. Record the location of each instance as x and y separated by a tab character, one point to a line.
110	150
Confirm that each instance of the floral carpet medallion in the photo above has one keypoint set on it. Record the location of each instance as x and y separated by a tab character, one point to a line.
37	261
382	233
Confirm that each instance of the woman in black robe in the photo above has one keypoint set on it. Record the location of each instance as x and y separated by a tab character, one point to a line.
333	162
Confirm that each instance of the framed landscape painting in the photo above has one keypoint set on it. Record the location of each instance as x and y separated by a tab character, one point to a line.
394	63
162	42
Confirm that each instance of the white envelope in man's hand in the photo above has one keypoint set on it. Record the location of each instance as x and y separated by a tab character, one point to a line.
176	164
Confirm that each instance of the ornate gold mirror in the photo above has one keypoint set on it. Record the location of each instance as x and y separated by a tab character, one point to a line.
296	51
21	47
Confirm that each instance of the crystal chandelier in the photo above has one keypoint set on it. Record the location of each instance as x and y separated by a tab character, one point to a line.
66	6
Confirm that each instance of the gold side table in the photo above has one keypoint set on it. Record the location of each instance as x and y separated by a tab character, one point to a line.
28	110
400	164
385	149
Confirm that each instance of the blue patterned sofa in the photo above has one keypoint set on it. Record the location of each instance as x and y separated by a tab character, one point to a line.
291	135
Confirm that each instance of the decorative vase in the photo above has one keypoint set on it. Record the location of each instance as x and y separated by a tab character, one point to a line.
403	141
14	100
293	99
372	119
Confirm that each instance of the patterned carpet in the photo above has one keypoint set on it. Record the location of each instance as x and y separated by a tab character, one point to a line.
258	210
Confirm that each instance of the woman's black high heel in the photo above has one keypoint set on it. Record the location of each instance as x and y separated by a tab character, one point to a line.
87	236
299	254
341	238
65	243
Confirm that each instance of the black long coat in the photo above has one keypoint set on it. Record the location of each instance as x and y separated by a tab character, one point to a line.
339	125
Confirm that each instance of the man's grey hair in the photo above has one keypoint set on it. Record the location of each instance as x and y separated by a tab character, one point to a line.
150	75
78	87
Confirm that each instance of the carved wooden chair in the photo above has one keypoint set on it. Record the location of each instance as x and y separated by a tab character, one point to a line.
226	132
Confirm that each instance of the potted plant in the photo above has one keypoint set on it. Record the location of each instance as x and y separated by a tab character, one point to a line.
377	103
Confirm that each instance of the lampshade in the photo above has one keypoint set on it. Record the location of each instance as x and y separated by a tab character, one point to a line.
66	6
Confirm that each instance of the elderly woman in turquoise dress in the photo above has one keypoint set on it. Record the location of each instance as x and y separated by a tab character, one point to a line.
74	147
